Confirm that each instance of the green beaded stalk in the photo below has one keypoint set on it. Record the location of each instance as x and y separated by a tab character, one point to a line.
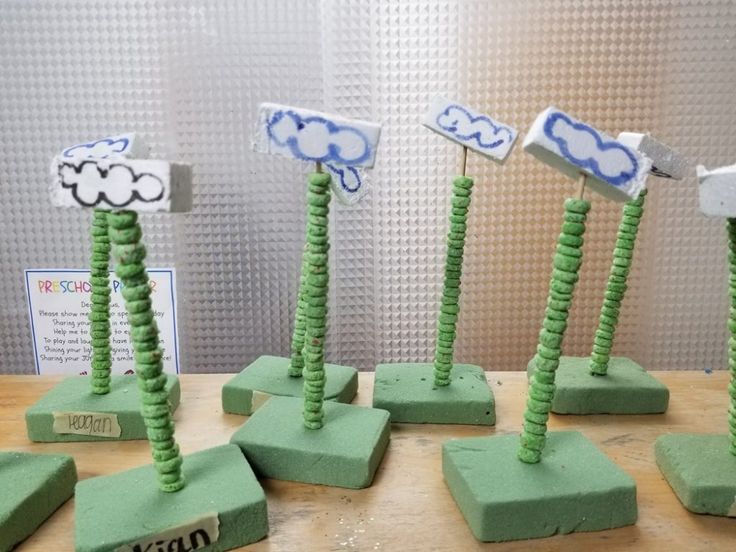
623	255
315	298
462	187
296	366
731	227
567	261
128	249
99	316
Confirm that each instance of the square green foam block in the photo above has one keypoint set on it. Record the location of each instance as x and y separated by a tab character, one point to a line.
345	452
408	392
221	497
32	487
83	416
701	470
626	389
268	376
574	488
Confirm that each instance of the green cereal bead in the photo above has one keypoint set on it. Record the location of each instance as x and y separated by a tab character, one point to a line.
545	378
545	364
569	251
573	228
563	276
556	326
548	352
570	240
565	263
574	205
574	217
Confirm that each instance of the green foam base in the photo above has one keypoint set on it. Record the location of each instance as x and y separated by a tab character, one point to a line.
117	510
268	376
408	392
574	488
32	487
345	452
626	389
701	470
73	394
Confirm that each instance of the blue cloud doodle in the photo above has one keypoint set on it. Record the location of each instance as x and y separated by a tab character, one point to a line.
458	121
350	180
112	144
590	162
340	144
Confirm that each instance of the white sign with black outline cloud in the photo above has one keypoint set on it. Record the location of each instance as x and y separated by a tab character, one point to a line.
117	183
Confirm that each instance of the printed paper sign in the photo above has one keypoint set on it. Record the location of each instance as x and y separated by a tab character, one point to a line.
59	303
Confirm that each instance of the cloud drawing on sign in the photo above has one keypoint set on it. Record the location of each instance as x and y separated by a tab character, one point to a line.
98	149
456	120
583	146
115	185
315	138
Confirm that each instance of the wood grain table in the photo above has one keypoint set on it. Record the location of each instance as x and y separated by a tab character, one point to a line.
409	507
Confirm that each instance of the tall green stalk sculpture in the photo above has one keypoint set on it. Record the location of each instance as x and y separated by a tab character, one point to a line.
701	469
605	384
445	392
287	433
542	482
210	498
107	403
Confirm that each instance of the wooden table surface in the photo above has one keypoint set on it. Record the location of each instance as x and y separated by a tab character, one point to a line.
409	507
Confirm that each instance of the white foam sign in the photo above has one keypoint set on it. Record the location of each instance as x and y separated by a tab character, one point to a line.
470	128
59	301
343	146
615	170
117	183
666	162
717	191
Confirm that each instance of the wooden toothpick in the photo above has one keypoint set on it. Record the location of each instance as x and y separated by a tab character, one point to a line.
581	186
319	167
464	161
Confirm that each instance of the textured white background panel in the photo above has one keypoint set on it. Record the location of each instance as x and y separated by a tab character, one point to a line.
189	76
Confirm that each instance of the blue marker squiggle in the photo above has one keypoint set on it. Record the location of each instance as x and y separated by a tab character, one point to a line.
346	175
458	121
347	144
591	163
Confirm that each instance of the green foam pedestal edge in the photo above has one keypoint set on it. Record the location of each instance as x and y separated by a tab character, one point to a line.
73	394
268	376
117	511
408	392
345	452
626	389
701	470
574	488
32	487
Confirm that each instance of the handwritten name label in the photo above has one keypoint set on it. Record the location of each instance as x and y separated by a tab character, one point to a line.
186	537
99	424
